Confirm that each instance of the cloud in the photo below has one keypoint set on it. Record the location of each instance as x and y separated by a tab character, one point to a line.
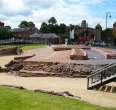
13	8
67	11
85	2
37	4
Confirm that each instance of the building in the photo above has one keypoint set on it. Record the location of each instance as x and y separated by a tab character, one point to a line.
32	35
45	38
84	33
24	33
84	24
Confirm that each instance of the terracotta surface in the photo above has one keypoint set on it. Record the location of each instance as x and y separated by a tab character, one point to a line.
49	55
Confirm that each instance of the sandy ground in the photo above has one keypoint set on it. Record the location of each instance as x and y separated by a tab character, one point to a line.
76	86
5	59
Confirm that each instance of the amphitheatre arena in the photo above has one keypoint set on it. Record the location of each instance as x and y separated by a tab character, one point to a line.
62	61
61	68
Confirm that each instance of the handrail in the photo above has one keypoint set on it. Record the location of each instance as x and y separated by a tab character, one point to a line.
100	75
103	69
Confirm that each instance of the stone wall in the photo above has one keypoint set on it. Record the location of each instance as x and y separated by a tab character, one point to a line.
107	53
10	51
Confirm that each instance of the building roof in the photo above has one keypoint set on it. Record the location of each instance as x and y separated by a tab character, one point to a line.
24	29
98	26
44	35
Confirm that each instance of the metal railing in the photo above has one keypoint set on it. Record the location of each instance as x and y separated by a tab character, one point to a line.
102	75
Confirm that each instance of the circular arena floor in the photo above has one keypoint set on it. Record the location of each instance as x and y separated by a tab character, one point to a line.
48	55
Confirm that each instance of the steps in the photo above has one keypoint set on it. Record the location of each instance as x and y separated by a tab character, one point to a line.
102	76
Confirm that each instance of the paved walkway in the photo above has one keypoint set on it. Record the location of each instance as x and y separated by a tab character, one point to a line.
95	58
94	55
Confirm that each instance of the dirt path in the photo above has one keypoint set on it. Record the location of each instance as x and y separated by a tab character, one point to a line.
5	59
75	86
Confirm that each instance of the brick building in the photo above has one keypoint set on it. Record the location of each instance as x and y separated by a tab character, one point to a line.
84	33
23	33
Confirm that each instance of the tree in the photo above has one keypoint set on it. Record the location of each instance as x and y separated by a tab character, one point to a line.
8	27
52	21
52	27
62	28
44	28
31	24
108	36
5	34
25	24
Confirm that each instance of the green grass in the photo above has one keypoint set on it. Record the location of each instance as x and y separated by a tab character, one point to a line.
32	46
24	47
14	99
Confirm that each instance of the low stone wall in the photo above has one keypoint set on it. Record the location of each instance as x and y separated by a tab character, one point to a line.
44	69
108	54
71	46
60	48
25	68
10	51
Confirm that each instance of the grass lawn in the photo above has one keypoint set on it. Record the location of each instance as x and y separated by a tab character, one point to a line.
32	46
24	47
14	99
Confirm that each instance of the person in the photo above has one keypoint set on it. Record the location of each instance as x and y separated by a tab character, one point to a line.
66	41
72	35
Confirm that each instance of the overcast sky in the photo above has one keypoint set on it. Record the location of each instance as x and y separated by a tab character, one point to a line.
65	11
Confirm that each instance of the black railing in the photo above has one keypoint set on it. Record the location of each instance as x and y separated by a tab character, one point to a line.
101	76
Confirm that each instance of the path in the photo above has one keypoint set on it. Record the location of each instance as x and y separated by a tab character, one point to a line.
5	59
95	58
76	86
94	55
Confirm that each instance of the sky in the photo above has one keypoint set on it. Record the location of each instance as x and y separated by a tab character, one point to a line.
12	12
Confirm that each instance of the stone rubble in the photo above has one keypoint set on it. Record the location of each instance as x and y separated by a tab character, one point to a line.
50	69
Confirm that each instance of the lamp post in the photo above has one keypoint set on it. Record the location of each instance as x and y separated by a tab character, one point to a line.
108	15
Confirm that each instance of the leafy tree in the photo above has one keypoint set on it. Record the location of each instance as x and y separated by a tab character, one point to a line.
44	28
52	21
72	27
31	24
62	28
5	34
25	24
8	27
108	36
52	27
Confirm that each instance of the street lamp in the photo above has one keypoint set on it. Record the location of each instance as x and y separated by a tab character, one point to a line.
108	15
